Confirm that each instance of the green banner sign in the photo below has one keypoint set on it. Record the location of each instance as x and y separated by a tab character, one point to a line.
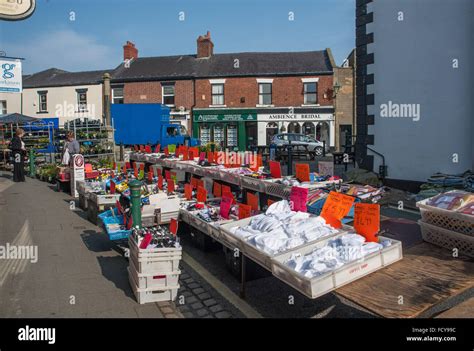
224	115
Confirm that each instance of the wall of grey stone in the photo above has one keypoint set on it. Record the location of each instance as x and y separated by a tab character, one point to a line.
414	65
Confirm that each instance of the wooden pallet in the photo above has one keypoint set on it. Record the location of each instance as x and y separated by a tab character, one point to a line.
427	276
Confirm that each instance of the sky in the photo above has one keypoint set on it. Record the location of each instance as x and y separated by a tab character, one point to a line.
78	35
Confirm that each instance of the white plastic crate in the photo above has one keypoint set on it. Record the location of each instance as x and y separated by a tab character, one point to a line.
451	220
152	295
447	238
157	280
318	286
109	199
154	260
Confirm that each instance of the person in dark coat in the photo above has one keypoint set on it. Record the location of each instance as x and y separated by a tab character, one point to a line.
18	152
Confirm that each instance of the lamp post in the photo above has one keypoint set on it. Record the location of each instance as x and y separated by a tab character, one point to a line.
335	90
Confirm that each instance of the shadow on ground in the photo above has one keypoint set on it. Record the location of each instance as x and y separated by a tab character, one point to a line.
115	270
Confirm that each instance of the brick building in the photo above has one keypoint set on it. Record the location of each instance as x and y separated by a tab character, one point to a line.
237	99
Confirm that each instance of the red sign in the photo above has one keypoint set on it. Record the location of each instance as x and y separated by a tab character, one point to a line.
148	149
160	182
244	211
170	187
275	169
201	194
302	172
194	182
252	201
157	148
188	191
174	226
167	175
112	187
166	151
216	189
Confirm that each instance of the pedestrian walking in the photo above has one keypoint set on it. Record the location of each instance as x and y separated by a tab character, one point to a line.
18	152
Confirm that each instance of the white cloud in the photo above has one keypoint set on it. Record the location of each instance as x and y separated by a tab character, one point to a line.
64	49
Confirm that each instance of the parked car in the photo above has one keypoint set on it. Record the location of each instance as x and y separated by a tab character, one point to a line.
314	146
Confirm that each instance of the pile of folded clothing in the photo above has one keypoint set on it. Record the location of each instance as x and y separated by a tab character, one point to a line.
336	253
280	229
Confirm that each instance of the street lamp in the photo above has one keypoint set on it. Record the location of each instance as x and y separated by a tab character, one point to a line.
336	87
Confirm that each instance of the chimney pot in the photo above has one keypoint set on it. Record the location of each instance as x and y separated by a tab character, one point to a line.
205	46
129	51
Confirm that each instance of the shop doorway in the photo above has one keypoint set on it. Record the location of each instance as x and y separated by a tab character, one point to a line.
251	133
345	135
294	127
309	129
322	132
272	129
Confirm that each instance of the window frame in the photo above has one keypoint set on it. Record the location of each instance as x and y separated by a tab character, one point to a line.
306	93
163	95
113	88
81	107
40	103
3	107
217	95
261	95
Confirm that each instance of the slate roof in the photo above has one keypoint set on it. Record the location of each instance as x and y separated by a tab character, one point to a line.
55	77
222	65
189	66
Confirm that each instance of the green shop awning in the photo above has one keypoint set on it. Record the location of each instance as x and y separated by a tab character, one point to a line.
224	115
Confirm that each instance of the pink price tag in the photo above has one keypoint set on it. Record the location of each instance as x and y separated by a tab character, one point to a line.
225	205
298	198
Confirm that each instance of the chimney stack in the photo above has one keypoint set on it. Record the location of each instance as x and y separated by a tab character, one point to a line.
129	51
205	47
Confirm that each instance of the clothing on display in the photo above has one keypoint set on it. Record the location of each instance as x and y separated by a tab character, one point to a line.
281	229
336	253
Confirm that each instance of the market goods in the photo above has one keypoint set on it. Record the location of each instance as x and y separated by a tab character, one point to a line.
155	237
452	200
336	253
281	229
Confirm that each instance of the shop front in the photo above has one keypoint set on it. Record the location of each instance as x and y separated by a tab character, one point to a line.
316	122
230	129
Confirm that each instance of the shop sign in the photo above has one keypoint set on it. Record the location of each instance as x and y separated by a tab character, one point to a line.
224	116
296	116
15	10
10	76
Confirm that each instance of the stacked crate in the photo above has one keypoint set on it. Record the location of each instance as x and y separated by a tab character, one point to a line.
154	273
448	229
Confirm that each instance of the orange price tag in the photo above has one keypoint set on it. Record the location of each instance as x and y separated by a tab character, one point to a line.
135	172
188	191
252	201
275	169
185	156
367	220
217	189
337	206
170	186
194	182
244	211
201	194
124	169
302	172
